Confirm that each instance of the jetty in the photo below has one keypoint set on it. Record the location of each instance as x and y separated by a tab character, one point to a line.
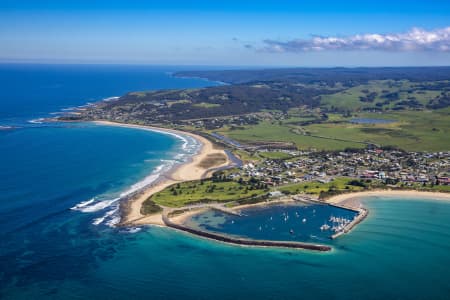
361	213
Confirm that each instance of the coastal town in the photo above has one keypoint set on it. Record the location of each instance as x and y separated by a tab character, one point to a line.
393	168
224	150
276	167
277	141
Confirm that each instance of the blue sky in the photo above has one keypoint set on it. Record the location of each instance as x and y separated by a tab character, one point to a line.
264	33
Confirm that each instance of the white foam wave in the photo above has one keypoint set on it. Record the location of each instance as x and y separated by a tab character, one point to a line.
69	109
83	204
100	220
111	217
189	144
179	156
186	140
113	221
88	207
37	121
98	206
167	162
133	229
139	185
111	99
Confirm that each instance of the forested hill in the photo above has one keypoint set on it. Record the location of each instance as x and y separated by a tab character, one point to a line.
327	75
338	90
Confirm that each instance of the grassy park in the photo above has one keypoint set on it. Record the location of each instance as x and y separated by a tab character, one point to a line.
204	191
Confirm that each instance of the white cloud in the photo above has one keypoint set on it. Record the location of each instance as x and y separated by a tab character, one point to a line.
416	39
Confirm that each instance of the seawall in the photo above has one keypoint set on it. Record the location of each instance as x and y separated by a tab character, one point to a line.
243	241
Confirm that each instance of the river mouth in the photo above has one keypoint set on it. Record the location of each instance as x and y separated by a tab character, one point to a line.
306	223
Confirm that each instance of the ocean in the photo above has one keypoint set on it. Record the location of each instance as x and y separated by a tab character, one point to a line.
58	189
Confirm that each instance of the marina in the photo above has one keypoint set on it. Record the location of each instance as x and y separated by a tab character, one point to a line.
299	222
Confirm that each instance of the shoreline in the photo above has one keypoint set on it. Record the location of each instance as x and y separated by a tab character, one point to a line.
352	200
185	171
349	201
190	170
183	217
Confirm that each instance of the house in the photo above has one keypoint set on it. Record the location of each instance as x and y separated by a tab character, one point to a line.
444	180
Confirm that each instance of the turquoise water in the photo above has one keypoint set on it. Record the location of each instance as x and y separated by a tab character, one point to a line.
293	222
399	252
50	251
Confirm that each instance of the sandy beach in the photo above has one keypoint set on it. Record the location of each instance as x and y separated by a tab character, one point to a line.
182	218
353	199
280	201
191	170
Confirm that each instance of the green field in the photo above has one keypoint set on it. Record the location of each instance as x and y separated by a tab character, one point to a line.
191	192
246	156
315	187
274	155
349	99
194	192
267	131
344	185
411	131
415	131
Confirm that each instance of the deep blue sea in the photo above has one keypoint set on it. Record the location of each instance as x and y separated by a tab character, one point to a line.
59	182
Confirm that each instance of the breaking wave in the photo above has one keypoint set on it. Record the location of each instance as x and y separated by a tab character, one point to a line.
111	216
37	121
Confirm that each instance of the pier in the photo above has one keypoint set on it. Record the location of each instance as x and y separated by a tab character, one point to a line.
362	213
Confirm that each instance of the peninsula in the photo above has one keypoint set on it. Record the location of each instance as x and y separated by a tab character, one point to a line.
300	135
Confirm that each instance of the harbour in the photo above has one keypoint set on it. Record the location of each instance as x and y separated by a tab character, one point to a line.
292	221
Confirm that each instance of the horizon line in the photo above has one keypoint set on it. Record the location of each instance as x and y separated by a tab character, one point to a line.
282	66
